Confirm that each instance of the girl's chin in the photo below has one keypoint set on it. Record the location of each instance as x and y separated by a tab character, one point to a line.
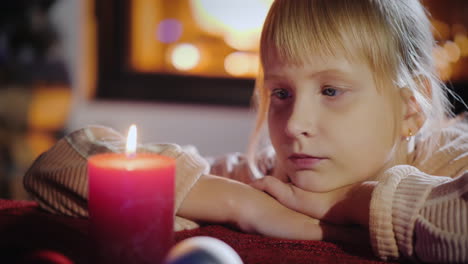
315	183
317	186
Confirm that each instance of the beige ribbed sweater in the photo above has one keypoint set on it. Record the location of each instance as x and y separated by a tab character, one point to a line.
412	213
420	211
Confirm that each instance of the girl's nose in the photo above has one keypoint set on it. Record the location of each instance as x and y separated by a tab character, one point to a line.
302	122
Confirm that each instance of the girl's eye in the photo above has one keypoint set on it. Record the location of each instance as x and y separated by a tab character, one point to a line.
331	92
281	93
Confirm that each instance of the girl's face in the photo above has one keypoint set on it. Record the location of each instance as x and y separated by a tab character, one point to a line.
329	125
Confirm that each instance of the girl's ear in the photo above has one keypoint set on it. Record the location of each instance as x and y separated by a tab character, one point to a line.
413	116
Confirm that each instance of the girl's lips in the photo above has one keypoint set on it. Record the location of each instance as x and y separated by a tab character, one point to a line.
304	162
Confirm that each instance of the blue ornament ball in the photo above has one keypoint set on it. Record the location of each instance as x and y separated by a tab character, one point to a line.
202	250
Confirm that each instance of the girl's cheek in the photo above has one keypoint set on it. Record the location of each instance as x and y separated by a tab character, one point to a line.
339	104
276	123
276	112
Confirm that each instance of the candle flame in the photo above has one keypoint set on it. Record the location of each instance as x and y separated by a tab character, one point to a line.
131	141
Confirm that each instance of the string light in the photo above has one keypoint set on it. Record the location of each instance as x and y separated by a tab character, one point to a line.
185	56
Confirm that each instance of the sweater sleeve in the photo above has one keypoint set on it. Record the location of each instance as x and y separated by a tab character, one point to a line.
237	167
57	179
420	216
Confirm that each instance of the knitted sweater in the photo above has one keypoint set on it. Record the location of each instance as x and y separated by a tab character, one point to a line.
412	213
418	211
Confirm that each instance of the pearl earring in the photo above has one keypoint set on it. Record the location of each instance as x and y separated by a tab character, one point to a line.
410	134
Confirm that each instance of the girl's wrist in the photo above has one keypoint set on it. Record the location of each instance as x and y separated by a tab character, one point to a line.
244	208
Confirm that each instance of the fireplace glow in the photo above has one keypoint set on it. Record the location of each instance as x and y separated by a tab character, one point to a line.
219	38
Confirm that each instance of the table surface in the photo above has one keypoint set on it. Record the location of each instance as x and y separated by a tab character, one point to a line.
26	229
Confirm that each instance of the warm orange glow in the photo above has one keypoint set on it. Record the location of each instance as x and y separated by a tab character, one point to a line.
87	70
442	63
254	65
445	73
49	108
217	28
241	64
237	64
440	57
458	29
130	150
462	41
185	57
243	40
37	143
221	18
453	51
146	53
440	29
204	19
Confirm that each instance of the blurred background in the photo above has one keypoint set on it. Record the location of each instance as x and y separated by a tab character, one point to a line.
182	70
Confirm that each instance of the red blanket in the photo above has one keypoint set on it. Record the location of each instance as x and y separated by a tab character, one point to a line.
28	234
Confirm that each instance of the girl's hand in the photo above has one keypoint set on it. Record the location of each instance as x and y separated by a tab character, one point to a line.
216	199
348	207
264	215
219	200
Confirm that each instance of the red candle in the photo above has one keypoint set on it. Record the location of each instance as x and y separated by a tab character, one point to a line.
131	205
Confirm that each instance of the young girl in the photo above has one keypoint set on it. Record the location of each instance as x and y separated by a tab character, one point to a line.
358	124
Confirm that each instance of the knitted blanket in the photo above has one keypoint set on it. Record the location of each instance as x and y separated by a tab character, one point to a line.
31	235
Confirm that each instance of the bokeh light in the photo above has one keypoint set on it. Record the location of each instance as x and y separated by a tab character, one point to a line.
242	40
462	43
218	29
169	30
222	18
185	56
241	64
452	50
440	56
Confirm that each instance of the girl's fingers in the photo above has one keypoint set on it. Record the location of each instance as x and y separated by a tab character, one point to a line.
279	190
308	203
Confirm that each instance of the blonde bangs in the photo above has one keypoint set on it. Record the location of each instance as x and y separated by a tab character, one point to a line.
295	29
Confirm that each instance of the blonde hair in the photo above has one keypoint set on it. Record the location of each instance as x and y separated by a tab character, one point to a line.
393	37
